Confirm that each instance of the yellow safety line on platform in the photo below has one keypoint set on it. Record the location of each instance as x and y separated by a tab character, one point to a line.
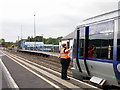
34	73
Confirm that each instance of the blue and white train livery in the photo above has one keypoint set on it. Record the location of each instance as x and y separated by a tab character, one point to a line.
96	49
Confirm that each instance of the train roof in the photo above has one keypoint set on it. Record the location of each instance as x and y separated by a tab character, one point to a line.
102	17
98	18
50	45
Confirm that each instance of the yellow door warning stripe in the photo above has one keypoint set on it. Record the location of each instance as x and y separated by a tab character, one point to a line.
35	73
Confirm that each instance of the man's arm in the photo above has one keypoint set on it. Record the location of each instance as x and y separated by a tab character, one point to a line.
59	56
67	50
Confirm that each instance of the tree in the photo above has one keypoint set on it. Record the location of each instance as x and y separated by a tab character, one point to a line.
28	39
2	41
49	41
38	38
54	41
59	38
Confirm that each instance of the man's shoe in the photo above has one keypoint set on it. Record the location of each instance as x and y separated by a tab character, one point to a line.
67	78
63	78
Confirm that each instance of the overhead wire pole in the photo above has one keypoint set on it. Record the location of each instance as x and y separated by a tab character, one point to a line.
18	41
42	38
18	38
34	33
42	41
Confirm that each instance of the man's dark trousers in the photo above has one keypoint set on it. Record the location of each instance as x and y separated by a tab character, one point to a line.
65	64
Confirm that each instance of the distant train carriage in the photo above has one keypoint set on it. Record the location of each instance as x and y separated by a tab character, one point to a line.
50	48
55	48
96	49
40	46
47	47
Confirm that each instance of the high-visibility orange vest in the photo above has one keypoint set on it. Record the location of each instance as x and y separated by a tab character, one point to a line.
63	54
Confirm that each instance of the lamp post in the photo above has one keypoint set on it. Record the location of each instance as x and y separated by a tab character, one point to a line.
34	33
34	27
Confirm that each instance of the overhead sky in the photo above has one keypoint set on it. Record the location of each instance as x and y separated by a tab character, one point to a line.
53	18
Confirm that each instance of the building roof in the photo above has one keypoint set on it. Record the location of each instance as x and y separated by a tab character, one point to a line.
69	36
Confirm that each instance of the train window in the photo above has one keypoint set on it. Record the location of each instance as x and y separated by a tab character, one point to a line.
81	42
100	28
75	44
100	44
118	47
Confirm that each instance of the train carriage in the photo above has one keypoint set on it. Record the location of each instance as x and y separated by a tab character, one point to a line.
96	49
40	46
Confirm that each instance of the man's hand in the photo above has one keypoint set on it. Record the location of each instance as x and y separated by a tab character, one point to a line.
59	57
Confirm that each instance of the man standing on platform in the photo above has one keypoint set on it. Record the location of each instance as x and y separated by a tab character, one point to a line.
65	61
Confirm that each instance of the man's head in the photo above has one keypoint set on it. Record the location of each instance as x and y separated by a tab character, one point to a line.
64	45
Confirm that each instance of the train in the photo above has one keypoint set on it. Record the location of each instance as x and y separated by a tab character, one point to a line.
96	49
43	47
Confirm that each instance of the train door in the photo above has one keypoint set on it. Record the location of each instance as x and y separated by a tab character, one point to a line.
79	50
83	44
117	60
75	54
116	63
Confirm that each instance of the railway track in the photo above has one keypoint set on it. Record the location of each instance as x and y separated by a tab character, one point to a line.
48	62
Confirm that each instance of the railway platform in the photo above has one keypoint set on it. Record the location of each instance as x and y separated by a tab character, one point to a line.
40	52
4	82
23	74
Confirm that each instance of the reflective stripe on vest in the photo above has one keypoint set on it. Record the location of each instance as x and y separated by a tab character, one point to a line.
63	54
